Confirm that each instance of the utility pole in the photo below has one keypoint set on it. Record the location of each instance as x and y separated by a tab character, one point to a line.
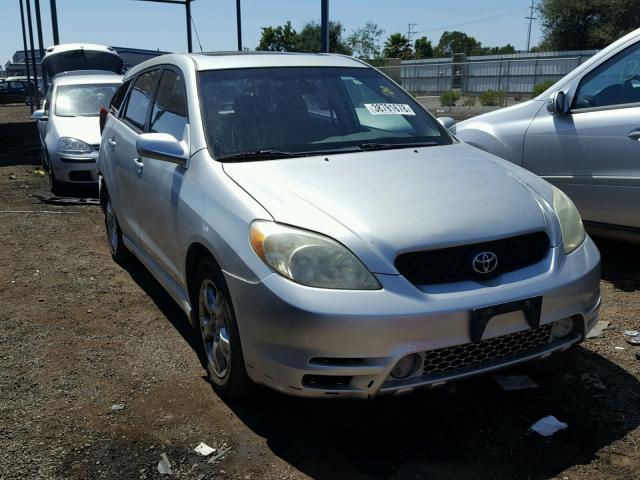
54	22
324	26
411	31
40	43
24	43
531	18
35	93
239	25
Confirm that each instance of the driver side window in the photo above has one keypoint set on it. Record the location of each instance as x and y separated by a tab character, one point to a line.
615	82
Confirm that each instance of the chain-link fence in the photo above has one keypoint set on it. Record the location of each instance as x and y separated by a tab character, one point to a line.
512	74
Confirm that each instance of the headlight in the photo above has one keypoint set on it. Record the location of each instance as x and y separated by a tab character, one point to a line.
309	258
73	145
573	233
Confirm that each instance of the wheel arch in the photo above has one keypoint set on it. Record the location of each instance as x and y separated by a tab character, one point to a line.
196	253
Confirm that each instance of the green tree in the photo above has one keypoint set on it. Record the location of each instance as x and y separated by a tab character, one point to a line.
586	24
423	48
308	39
397	46
508	48
278	39
365	41
457	42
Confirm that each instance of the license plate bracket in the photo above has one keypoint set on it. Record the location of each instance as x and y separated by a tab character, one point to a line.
480	317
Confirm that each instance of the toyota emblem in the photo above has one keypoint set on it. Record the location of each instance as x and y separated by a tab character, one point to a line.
484	262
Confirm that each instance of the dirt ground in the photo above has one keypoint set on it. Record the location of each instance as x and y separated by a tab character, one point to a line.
80	334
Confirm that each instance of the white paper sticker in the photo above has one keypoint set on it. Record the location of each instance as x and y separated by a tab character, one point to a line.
389	109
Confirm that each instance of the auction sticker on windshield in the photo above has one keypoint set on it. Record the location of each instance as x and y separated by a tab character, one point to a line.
389	109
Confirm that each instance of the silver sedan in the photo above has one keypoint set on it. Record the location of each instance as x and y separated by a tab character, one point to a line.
582	135
327	236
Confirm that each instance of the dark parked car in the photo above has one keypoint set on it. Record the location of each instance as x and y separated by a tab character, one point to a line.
13	91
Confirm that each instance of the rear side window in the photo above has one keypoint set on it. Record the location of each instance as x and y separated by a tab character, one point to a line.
170	107
116	101
140	98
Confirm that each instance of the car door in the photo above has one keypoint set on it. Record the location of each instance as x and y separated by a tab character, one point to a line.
593	151
161	181
123	155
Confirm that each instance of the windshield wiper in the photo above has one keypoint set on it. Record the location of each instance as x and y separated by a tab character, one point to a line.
274	154
257	155
390	146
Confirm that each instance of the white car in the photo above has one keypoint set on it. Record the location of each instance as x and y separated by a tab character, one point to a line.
85	77
69	128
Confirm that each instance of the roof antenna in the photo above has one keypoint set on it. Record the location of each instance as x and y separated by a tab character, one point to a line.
196	30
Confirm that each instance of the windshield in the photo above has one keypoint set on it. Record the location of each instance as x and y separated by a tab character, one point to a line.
302	110
83	100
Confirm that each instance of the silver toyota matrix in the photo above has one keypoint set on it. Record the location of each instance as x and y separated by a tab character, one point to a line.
327	236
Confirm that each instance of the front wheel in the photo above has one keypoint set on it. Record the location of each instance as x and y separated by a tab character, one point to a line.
114	235
219	333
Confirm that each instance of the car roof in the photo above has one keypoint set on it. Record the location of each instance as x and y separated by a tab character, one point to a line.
83	77
250	59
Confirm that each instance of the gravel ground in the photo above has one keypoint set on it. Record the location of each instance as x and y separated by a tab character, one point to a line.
80	334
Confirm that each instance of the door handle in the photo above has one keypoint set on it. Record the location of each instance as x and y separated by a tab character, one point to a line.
112	143
635	135
139	165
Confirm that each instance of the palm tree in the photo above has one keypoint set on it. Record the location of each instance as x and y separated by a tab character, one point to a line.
397	46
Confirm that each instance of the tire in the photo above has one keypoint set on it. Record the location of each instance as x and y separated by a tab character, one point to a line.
56	187
219	333
119	252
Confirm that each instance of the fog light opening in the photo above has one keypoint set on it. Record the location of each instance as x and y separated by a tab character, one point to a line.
406	366
561	328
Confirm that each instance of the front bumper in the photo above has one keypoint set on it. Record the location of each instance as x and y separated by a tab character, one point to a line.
312	342
71	168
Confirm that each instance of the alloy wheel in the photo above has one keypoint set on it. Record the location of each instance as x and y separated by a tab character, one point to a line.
214	328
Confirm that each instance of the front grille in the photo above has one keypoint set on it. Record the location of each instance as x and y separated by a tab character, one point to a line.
486	352
454	264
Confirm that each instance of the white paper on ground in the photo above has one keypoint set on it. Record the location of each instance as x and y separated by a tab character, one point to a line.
548	425
164	467
204	449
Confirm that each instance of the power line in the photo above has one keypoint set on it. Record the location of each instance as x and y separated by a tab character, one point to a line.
472	17
482	19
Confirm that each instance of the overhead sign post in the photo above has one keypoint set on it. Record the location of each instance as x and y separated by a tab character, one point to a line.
187	7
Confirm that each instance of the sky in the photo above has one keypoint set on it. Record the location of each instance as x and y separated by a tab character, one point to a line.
137	24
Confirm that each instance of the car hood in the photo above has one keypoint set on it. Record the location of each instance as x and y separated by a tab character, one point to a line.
380	204
86	129
524	110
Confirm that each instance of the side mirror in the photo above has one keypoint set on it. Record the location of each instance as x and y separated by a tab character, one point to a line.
448	123
557	104
162	146
39	116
